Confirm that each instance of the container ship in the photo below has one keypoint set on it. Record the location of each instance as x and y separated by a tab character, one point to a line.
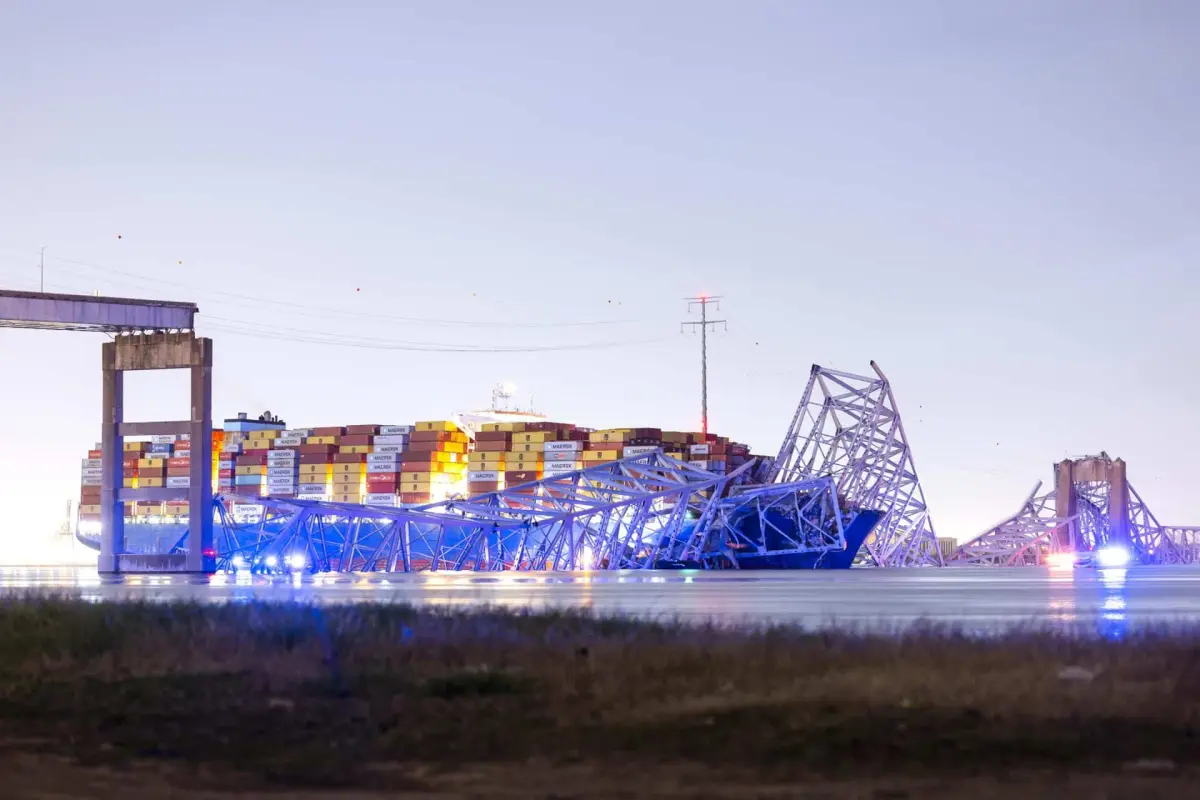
470	454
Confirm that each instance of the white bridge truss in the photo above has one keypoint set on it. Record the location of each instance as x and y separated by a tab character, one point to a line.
629	514
1028	537
848	428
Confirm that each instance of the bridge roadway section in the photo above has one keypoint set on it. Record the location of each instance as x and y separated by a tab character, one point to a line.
1114	601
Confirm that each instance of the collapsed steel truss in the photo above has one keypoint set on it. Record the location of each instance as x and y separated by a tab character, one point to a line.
1028	537
785	519
628	514
847	427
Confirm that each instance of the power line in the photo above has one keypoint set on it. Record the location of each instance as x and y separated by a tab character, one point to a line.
703	301
319	310
419	347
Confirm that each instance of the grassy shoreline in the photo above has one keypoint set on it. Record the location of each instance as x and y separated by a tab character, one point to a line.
379	696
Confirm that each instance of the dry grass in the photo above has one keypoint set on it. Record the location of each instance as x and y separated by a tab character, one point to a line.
359	694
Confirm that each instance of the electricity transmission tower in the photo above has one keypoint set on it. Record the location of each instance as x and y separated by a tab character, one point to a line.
703	301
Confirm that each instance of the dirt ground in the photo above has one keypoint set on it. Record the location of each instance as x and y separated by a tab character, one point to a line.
38	777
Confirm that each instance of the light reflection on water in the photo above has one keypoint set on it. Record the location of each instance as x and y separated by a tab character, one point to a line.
1113	600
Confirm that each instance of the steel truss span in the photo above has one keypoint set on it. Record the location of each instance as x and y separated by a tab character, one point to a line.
848	428
1102	515
635	513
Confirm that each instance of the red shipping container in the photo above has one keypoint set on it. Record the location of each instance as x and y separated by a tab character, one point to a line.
492	446
251	460
493	436
414	498
179	472
429	436
355	440
176	463
130	472
225	473
316	458
329	432
322	449
357	430
95	454
377	485
349	458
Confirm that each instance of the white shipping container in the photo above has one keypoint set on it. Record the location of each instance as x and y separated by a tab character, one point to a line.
376	467
569	455
93	472
380	500
312	488
389	448
639	450
563	447
91	481
484	476
93	462
289	441
285	480
395	430
393	438
561	466
281	457
231	447
181	482
296	433
185	437
157	455
383	458
698	449
698	464
167	439
281	472
311	496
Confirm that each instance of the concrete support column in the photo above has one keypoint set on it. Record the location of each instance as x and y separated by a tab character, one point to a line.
1065	503
1118	504
112	461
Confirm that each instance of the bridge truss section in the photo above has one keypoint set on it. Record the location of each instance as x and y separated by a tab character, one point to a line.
848	428
771	520
629	514
1028	537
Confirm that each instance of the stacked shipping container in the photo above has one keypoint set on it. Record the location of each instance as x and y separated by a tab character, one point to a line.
389	465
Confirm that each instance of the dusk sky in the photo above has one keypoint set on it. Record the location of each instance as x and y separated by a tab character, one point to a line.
996	200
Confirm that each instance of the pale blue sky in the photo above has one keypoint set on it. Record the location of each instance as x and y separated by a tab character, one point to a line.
997	200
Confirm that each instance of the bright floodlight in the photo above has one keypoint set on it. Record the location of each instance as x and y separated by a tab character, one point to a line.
272	561
239	562
295	561
1061	560
1112	556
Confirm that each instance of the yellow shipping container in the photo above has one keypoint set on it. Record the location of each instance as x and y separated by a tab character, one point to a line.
152	463
437	425
136	447
356	469
90	509
610	435
130	483
316	469
357	449
150	483
258	444
486	458
601	455
250	469
535	436
321	440
532	457
265	434
352	478
349	497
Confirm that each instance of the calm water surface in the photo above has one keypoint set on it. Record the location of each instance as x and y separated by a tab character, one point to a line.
974	598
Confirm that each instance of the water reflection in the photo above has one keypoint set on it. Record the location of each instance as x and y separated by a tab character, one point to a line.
1114	619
